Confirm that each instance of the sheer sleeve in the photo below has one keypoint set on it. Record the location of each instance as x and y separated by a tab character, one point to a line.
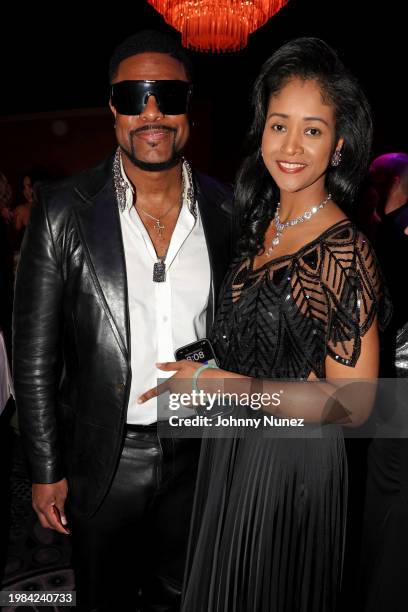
354	293
282	319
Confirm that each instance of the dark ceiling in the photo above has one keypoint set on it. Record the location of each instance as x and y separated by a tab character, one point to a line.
58	60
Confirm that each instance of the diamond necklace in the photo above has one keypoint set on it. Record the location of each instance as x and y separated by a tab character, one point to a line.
280	227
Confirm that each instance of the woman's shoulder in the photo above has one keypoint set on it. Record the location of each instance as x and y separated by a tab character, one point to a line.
345	237
340	260
342	236
350	275
344	247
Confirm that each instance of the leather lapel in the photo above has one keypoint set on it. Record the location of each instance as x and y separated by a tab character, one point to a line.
99	227
217	230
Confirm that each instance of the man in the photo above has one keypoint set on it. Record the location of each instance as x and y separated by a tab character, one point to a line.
389	177
385	534
120	266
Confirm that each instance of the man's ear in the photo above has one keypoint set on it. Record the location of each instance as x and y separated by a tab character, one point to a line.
395	184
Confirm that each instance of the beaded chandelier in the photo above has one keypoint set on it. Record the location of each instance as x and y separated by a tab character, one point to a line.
216	25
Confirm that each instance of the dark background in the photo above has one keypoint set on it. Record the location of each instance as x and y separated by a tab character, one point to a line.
54	92
54	79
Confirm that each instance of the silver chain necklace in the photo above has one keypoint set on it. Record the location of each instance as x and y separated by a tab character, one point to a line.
280	227
121	186
157	222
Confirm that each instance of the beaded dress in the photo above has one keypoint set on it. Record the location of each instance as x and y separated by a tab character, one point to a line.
268	524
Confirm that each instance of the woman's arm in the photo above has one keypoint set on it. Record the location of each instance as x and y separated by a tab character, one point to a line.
346	396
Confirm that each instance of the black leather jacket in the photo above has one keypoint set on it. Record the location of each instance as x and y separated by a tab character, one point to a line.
71	328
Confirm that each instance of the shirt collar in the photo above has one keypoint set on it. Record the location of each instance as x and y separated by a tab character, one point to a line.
125	191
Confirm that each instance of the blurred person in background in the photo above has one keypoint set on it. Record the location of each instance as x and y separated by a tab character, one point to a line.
6	259
384	560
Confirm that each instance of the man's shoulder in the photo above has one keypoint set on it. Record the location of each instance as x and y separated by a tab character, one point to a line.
210	183
65	194
401	218
213	191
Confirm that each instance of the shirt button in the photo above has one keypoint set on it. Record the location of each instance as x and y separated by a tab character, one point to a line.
120	387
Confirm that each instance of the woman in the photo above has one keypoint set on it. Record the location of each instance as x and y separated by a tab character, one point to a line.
300	302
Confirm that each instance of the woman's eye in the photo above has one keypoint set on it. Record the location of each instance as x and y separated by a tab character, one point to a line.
278	127
313	131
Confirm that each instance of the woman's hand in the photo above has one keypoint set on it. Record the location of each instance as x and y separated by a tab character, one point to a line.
211	380
184	371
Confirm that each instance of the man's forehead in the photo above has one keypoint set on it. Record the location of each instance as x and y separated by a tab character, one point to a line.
151	66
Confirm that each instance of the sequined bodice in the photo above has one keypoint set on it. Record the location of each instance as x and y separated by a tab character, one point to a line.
283	319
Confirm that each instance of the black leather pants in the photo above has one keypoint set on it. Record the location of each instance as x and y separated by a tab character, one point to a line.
130	555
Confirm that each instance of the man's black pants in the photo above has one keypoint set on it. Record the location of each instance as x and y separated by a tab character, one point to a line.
130	555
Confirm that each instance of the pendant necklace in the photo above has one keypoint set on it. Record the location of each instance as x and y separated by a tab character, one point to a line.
157	222
159	267
122	186
280	227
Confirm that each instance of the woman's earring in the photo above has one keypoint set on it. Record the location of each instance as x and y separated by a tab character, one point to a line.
335	159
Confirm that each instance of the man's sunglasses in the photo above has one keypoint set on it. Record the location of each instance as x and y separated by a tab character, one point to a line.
130	97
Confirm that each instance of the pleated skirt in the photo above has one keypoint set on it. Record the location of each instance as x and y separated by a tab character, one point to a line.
268	525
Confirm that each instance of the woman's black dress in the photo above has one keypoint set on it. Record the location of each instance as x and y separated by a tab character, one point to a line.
268	524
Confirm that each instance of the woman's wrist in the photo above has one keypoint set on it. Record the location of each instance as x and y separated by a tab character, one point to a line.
202	368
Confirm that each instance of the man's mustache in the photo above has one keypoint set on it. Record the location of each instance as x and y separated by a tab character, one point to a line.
155	127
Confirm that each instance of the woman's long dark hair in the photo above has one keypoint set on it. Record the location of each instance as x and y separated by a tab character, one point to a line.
256	192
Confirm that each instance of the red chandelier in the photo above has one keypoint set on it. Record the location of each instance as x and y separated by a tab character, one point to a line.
216	25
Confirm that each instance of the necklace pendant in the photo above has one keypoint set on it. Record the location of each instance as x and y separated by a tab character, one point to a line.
159	272
159	228
280	227
274	243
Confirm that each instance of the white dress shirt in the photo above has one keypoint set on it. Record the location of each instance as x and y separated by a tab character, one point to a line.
166	315
6	384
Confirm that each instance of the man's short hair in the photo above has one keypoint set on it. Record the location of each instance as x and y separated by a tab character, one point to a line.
385	168
149	41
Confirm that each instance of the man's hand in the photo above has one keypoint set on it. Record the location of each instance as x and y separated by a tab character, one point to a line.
48	503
